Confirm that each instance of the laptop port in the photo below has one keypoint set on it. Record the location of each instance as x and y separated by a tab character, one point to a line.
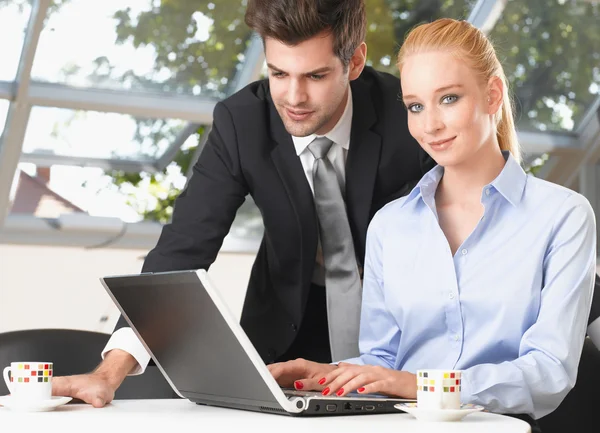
331	407
347	406
369	407
358	408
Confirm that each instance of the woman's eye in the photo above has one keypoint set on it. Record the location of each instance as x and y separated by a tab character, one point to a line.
415	108
449	99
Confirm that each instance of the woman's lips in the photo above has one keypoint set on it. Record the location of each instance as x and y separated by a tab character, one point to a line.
441	144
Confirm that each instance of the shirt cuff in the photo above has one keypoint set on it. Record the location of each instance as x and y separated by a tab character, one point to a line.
126	340
357	361
593	332
466	389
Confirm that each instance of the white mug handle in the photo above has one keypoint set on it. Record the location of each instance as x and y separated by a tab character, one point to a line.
7	379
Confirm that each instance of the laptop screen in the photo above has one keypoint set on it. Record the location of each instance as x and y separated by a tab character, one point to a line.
187	335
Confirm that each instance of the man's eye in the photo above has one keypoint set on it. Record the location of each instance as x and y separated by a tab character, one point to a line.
277	74
316	77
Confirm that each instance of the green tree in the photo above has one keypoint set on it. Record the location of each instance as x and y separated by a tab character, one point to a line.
167	26
550	49
551	52
390	21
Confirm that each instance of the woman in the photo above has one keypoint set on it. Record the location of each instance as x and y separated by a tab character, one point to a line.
481	267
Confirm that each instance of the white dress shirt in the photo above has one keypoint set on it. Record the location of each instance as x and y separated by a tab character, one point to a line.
125	339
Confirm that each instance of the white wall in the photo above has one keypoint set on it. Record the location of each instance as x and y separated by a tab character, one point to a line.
58	287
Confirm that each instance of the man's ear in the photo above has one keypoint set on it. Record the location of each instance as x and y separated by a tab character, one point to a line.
357	62
495	94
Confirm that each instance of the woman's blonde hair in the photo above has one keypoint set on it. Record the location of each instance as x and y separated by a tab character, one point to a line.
468	43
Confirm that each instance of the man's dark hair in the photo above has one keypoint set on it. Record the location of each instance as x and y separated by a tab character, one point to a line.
295	21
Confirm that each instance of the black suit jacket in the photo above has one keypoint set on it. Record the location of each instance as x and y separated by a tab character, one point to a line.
250	152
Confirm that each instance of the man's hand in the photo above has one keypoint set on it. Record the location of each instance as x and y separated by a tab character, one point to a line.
370	379
97	388
92	388
300	373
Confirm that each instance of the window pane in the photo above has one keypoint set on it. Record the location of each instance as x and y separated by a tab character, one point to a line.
390	20
179	46
92	134
551	53
14	17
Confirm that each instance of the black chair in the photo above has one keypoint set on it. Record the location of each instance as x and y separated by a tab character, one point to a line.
76	352
577	412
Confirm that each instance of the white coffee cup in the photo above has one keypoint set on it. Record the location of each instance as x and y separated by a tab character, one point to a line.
438	389
29	381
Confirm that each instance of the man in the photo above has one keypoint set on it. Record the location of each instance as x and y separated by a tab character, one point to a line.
320	146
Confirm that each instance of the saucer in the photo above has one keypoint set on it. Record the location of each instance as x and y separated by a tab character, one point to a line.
438	414
38	406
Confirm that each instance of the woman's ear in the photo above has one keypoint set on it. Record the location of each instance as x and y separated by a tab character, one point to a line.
495	94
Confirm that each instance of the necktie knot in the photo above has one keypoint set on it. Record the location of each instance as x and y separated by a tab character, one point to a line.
320	147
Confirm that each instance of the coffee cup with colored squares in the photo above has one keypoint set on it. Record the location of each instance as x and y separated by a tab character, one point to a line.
438	389
29	381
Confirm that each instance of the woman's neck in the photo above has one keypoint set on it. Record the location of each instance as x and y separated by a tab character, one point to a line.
464	182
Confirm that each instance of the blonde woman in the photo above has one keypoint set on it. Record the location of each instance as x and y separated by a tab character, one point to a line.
481	267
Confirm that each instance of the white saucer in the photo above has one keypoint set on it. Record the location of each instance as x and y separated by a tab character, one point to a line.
38	406
438	414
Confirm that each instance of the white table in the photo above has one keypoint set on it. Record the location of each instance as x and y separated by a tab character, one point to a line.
169	416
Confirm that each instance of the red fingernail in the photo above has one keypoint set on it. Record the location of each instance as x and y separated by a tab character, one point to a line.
361	389
298	384
325	391
322	381
340	392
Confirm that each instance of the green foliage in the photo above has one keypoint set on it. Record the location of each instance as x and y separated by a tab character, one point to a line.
196	65
535	166
210	65
550	49
198	62
390	21
157	185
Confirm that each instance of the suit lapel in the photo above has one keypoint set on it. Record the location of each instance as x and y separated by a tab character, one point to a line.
361	164
289	167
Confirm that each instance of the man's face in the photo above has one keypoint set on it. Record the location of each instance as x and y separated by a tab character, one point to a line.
308	84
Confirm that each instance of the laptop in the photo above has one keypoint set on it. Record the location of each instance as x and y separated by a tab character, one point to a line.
205	355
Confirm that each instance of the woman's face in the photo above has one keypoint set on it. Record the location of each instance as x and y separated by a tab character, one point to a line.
448	109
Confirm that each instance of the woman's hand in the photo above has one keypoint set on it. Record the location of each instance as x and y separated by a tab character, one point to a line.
369	379
300	373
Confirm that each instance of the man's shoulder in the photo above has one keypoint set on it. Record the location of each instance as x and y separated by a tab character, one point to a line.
380	79
381	88
255	93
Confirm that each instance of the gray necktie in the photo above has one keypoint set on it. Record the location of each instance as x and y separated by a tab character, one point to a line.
342	280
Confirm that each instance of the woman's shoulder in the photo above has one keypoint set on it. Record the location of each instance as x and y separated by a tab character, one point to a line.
553	194
394	210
